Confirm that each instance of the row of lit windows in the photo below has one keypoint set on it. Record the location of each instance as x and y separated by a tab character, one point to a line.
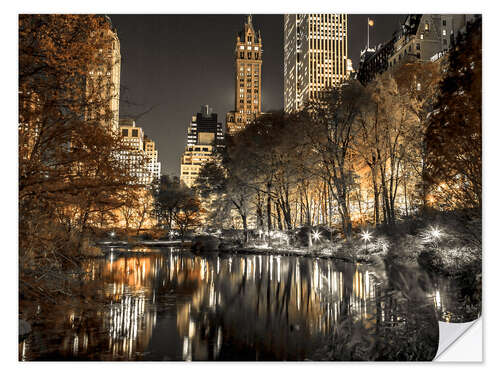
198	149
250	48
249	67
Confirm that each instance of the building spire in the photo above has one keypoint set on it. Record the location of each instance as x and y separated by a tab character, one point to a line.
249	19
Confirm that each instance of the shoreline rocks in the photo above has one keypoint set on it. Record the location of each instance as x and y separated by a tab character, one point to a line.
24	329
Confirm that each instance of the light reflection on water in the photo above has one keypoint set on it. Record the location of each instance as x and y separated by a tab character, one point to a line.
173	305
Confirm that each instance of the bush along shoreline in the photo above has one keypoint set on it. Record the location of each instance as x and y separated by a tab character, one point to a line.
444	245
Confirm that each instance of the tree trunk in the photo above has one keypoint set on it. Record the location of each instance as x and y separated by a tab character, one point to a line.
406	198
376	194
385	198
260	216
278	214
245	228
269	207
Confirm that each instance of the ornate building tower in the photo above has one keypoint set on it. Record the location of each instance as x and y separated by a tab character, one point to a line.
248	58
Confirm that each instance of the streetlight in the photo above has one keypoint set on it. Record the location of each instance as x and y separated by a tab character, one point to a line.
366	236
112	234
316	235
435	232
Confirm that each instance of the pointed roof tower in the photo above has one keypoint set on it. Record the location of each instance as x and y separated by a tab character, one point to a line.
248	84
248	30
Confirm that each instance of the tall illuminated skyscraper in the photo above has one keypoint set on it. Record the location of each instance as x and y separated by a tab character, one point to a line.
248	63
103	78
315	56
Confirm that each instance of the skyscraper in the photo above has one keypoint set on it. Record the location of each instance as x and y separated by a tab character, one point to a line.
248	63
103	79
204	135
315	56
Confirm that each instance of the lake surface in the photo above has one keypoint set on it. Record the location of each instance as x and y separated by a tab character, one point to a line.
169	304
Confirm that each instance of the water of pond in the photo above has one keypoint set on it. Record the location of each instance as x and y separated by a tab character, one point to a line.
169	304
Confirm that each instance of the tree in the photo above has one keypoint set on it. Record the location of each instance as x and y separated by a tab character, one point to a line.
177	205
143	209
330	124
187	214
419	82
223	180
168	199
454	135
70	173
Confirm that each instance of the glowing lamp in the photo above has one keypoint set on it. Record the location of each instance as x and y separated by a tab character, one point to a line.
366	236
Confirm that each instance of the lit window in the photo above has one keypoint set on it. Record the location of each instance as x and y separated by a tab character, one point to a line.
444	32
421	36
426	26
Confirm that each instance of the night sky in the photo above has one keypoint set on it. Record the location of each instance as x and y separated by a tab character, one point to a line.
176	63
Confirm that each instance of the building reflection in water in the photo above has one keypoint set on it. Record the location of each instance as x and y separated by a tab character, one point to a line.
274	305
224	307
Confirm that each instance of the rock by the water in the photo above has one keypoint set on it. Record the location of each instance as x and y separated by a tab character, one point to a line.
24	328
205	243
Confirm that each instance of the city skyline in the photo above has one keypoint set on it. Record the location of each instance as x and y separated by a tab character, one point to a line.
169	82
338	219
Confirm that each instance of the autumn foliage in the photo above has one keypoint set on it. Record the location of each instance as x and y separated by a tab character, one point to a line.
454	135
71	180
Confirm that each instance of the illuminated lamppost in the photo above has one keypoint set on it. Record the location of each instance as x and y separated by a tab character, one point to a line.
366	236
435	233
316	235
112	234
171	234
